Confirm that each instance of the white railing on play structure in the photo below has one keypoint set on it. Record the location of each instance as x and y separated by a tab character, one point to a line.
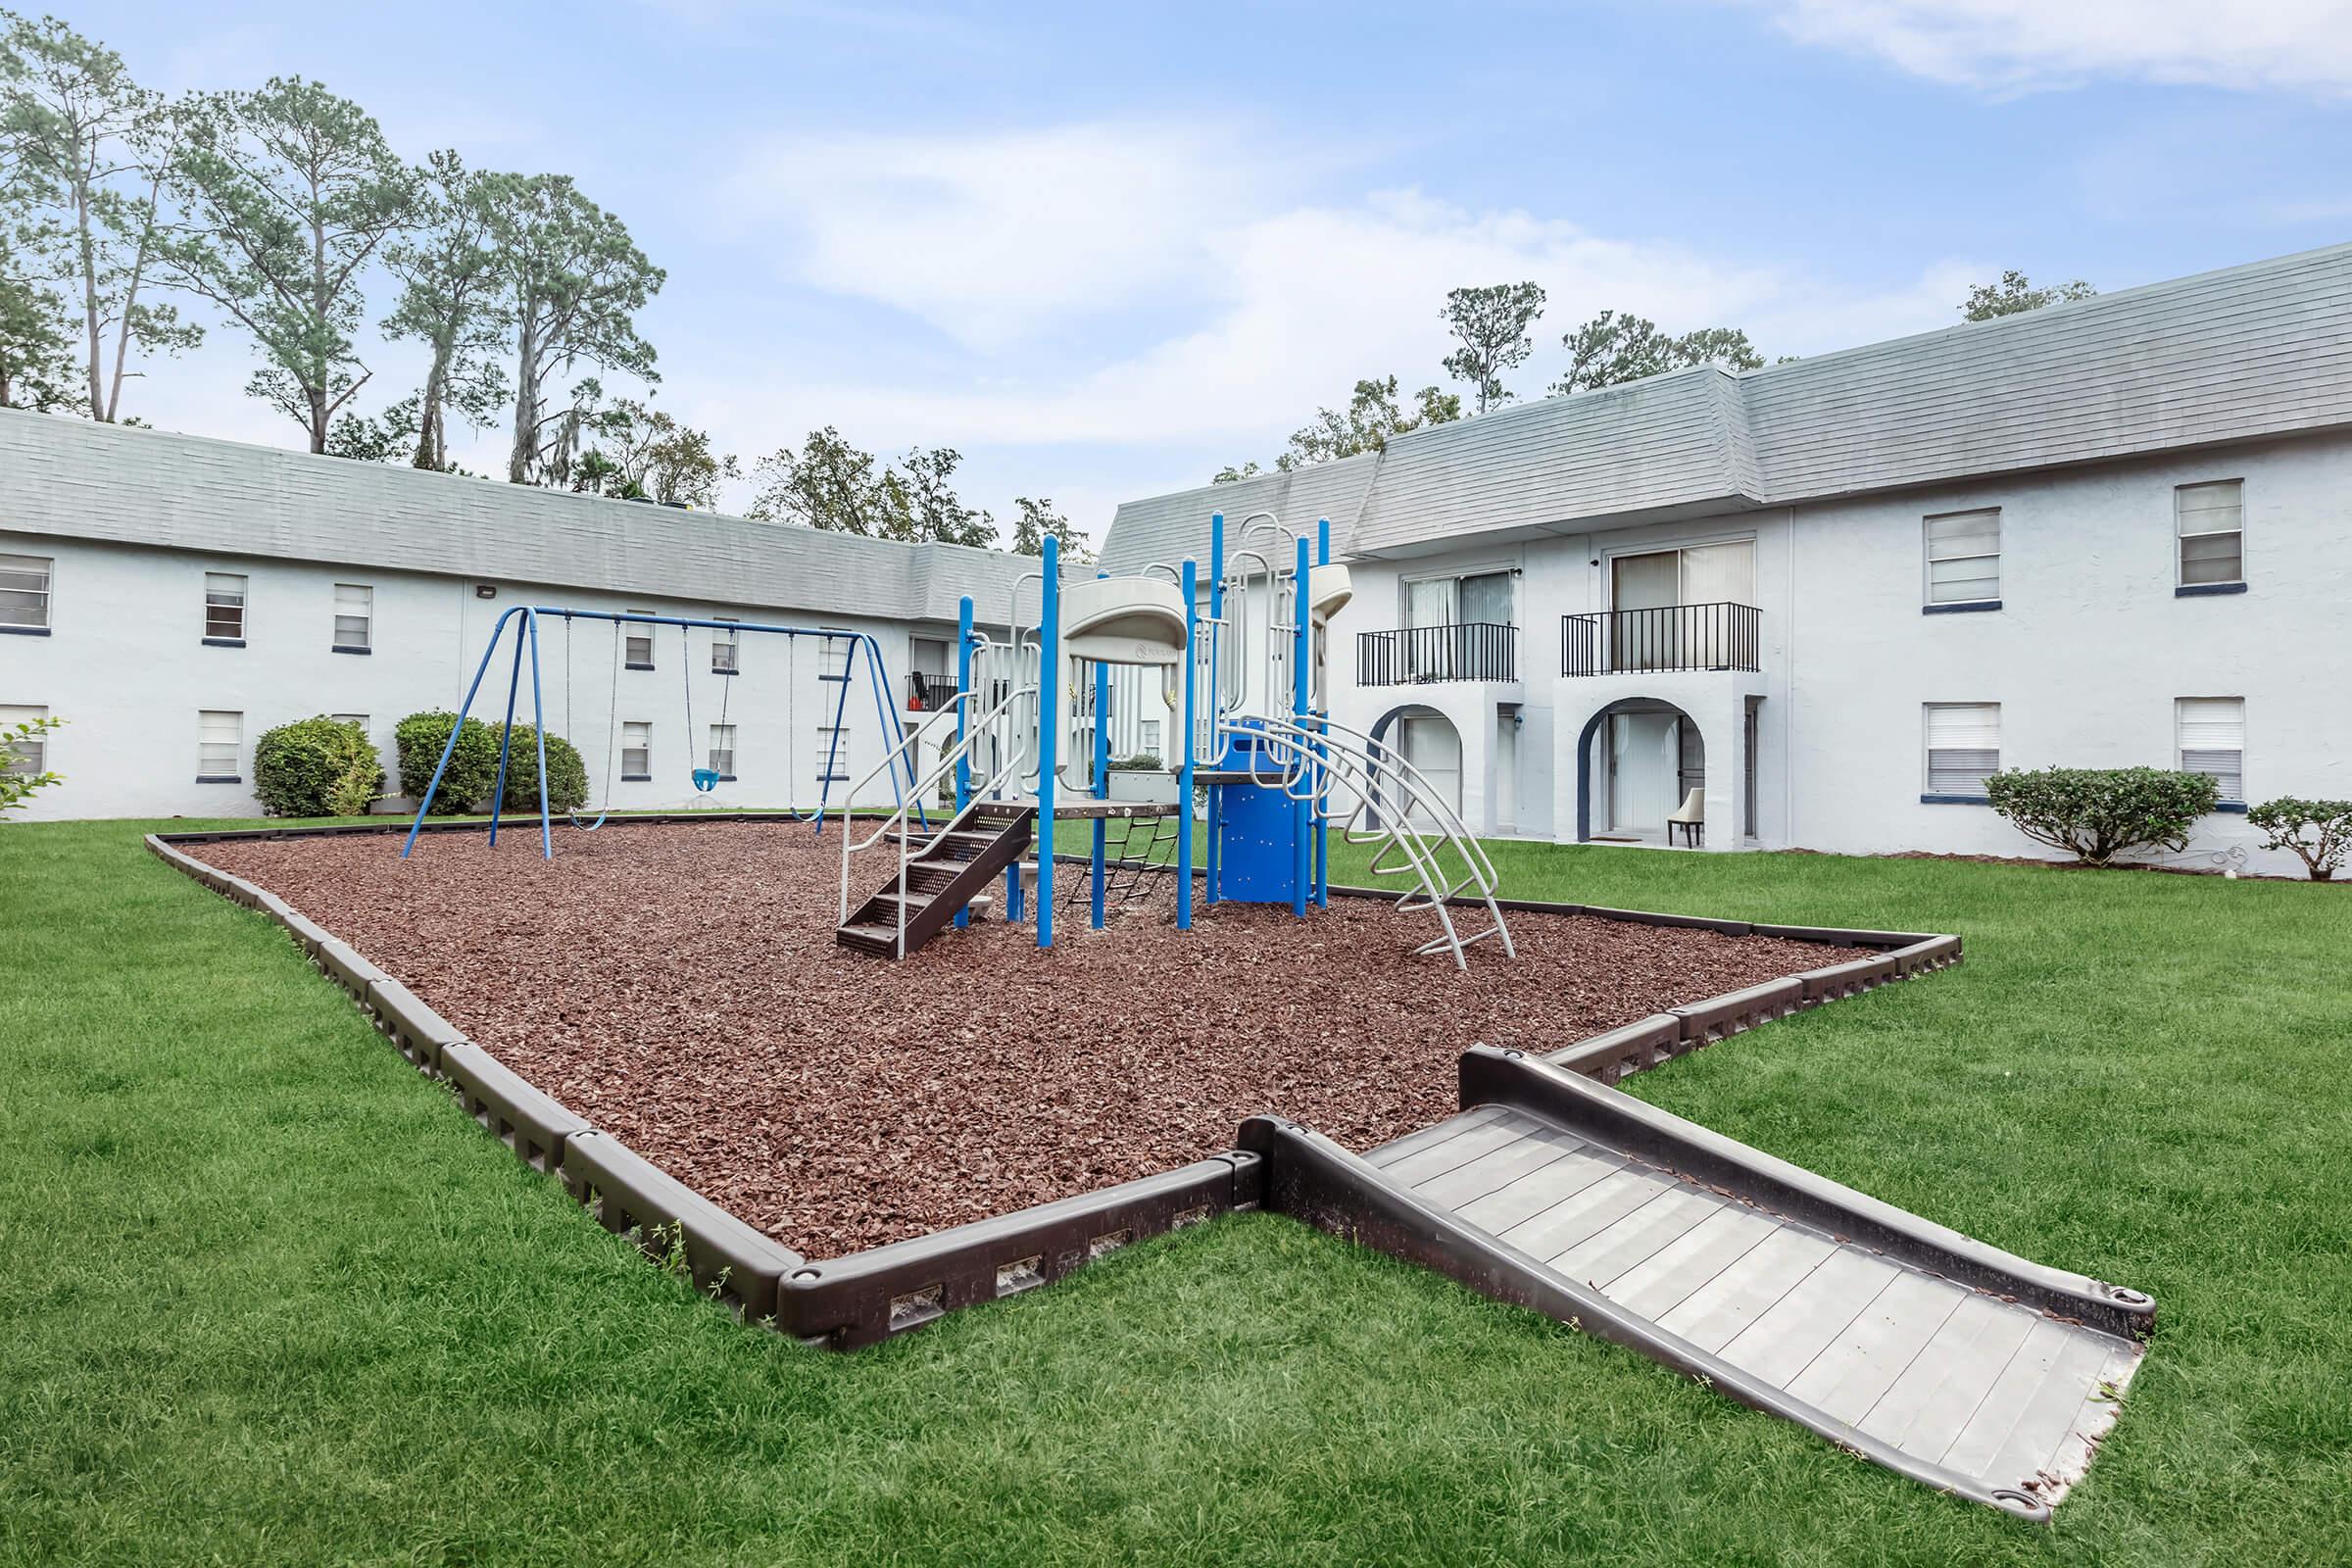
1374	796
1004	730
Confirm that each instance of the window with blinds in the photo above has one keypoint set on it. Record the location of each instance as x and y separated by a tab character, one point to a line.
354	618
24	757
835	665
220	742
726	648
2211	739
224	606
2210	519
637	644
1964	558
722	750
637	751
1964	746
832	753
25	592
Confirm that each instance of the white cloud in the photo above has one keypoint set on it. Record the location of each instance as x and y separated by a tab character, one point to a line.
2303	45
994	237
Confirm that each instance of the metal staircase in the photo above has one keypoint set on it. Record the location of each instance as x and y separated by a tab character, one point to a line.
947	874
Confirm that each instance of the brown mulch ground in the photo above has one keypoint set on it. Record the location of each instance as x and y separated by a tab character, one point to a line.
679	986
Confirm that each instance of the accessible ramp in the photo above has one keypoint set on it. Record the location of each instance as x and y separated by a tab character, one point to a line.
1962	1366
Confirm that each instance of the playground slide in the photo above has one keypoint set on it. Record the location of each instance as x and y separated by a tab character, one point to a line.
1958	1364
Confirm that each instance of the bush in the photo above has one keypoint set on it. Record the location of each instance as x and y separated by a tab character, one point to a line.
567	776
473	766
2285	822
2096	813
1140	762
317	767
17	788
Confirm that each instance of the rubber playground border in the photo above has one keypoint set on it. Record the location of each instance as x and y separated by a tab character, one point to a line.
867	1296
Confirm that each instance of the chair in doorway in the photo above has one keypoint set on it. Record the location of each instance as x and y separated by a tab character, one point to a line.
1690	818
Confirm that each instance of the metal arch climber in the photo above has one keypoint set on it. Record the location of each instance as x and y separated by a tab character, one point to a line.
863	652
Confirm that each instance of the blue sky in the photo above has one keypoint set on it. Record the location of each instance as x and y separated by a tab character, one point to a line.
1102	250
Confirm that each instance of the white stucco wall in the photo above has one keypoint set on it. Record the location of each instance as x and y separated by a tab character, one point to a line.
125	663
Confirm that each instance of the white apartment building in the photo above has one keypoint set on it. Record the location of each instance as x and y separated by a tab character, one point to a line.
1814	605
171	598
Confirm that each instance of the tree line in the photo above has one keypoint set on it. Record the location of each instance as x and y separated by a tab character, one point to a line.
1492	329
287	212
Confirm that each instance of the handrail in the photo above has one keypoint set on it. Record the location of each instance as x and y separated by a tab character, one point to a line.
973	730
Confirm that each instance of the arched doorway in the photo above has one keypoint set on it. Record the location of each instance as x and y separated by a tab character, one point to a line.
1637	760
1427	740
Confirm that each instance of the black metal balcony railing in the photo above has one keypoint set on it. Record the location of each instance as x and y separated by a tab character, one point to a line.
1472	650
1617	642
927	694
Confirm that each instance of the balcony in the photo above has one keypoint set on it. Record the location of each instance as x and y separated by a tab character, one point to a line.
1676	637
1414	655
927	694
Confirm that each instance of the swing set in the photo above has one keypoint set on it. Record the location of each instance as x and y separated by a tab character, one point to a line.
860	653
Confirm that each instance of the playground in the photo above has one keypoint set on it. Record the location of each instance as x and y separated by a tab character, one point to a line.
939	1106
680	987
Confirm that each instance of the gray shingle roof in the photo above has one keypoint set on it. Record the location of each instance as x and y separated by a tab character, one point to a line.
2247	352
75	479
1167	528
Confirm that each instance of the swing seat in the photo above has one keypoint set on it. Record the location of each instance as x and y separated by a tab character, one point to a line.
705	779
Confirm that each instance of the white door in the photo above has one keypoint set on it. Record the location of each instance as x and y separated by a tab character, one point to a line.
1506	770
1434	751
1644	767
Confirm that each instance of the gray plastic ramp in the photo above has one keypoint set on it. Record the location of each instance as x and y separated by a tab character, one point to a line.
1967	1368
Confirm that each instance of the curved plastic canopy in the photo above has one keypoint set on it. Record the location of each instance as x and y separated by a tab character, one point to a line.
1123	620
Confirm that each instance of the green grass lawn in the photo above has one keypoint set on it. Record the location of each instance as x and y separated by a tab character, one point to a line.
270	1299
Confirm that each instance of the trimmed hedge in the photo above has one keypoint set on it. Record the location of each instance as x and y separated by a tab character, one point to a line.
567	776
2096	813
317	767
473	766
2285	821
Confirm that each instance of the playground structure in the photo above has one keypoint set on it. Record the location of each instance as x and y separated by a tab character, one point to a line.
1247	685
861	654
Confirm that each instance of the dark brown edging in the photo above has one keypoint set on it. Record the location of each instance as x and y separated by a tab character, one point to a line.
871	1295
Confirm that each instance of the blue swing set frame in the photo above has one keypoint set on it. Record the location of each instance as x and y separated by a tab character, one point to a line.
528	640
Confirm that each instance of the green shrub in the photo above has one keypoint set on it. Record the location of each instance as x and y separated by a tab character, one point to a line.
2285	821
1140	762
317	767
567	776
15	743
473	766
2096	813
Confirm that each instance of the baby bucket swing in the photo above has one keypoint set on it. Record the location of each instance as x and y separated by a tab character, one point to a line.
705	779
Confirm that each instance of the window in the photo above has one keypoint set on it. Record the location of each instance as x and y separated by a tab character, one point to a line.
636	751
1152	737
2211	739
27	756
24	593
832	754
2210	519
726	648
223	607
1964	745
722	750
1964	559
354	618
359	719
637	644
835	665
219	741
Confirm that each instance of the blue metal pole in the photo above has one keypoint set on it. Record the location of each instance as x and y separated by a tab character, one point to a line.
1303	813
506	734
1183	769
546	837
963	714
1322	821
1216	653
498	630
1048	719
1102	760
